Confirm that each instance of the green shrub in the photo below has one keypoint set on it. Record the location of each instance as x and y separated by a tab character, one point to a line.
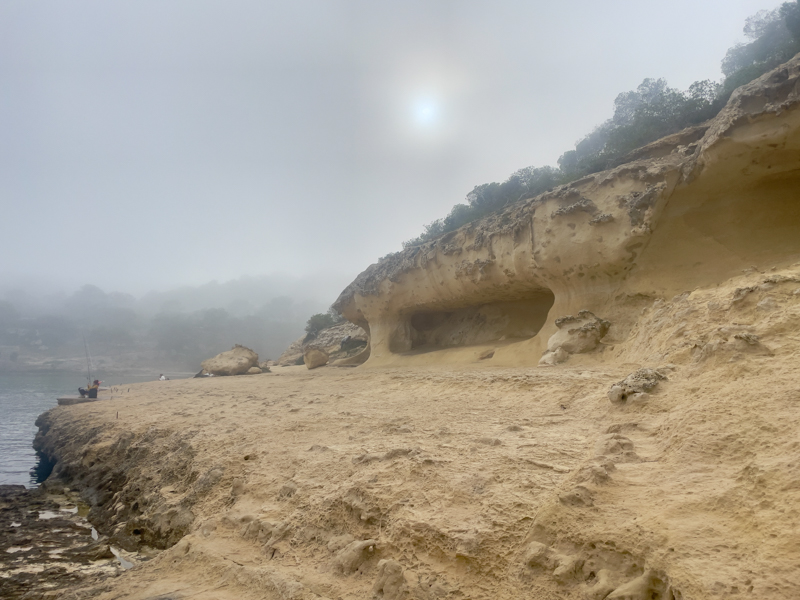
641	116
318	322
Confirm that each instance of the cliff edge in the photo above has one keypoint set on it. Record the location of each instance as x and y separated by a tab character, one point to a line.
689	210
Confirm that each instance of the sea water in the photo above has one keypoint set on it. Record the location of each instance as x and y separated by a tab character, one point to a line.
23	397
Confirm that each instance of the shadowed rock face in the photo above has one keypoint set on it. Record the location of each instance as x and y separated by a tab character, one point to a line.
689	210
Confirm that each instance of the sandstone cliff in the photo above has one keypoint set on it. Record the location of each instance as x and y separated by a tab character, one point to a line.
656	458
690	210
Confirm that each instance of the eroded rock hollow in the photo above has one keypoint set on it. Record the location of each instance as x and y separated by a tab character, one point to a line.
689	210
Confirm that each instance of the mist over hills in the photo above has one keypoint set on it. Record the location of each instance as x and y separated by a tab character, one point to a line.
42	327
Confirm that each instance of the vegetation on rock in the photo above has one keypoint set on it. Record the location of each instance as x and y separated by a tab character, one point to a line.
320	321
651	111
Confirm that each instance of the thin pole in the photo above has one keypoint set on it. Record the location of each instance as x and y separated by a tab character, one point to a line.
88	363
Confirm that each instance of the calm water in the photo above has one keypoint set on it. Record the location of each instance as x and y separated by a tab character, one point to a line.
23	397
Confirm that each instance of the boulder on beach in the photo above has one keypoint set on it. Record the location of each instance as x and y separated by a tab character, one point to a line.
315	357
236	361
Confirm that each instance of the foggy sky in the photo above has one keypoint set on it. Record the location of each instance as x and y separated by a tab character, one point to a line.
151	144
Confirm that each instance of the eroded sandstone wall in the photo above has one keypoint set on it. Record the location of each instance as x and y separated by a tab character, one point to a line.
690	210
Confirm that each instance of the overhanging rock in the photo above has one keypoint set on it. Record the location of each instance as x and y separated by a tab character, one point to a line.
689	210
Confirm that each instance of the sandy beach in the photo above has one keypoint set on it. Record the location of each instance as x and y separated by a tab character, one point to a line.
470	482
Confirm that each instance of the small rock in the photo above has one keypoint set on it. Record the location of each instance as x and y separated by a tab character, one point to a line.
567	569
750	339
638	384
556	357
489	441
288	490
616	446
576	335
390	584
350	558
538	555
315	357
338	542
237	487
579	496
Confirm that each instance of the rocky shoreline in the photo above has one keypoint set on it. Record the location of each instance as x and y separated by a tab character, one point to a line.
47	544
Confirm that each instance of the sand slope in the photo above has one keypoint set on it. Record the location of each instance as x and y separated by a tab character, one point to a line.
471	481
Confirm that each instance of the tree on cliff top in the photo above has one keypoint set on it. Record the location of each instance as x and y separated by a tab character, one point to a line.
641	116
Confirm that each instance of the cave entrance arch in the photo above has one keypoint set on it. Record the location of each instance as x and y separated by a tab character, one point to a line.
519	318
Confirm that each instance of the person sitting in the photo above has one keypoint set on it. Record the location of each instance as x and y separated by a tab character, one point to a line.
92	391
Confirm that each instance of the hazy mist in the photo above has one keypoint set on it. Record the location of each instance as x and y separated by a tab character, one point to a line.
151	145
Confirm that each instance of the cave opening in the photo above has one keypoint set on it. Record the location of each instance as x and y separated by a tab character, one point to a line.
519	318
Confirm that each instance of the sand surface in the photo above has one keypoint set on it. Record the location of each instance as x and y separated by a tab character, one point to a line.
471	481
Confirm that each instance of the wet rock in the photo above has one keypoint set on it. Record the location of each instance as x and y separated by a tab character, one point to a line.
45	548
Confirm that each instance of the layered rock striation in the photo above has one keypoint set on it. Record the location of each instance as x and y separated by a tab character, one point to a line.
692	209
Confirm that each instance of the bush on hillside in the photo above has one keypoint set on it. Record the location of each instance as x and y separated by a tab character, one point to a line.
320	321
641	116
